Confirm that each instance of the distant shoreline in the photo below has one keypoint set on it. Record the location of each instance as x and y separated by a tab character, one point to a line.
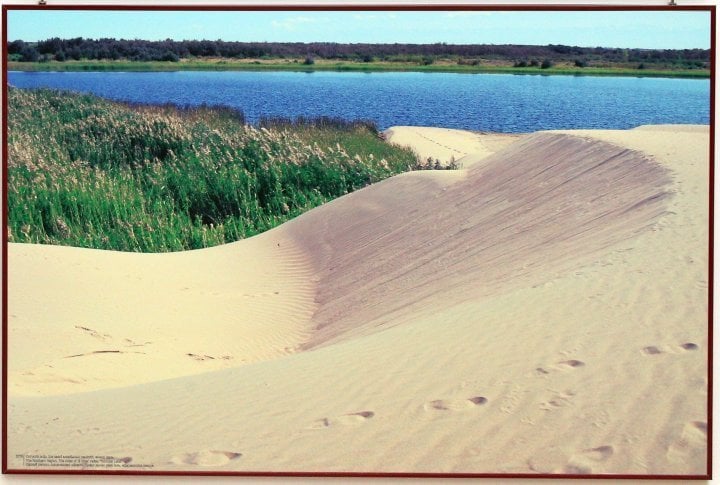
229	65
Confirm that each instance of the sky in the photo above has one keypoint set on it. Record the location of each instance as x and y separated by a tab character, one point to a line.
646	29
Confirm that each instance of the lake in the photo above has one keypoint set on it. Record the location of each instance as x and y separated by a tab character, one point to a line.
485	102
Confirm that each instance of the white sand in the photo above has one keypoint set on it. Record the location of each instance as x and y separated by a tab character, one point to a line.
84	319
445	144
545	312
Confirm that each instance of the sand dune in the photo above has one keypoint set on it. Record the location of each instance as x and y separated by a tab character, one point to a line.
86	319
540	207
544	311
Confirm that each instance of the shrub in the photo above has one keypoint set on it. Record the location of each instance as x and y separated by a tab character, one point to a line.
29	54
435	164
580	63
15	47
546	64
520	64
309	60
170	57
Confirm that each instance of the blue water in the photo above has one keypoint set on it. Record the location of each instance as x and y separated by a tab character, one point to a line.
487	102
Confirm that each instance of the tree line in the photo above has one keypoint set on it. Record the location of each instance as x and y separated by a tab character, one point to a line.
171	50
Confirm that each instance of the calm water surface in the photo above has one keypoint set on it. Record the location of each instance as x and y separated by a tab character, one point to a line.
487	102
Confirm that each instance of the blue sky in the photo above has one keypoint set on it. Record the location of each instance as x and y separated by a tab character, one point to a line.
657	29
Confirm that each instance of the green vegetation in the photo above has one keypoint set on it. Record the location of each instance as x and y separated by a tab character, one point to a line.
80	48
88	172
460	66
144	55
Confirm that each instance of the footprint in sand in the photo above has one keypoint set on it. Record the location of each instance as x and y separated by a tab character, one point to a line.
691	444
455	404
701	426
670	349
583	462
557	401
651	350
206	458
352	419
564	365
601	453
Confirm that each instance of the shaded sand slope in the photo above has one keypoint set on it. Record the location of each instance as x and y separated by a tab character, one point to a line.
564	329
541	206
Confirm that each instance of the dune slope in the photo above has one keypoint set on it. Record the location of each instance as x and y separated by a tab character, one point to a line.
539	207
544	312
85	319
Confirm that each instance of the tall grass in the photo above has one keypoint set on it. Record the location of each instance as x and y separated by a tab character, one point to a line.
87	172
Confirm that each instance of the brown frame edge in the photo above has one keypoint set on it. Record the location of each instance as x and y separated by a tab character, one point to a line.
360	7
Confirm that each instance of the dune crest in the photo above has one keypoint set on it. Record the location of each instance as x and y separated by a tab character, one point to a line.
445	144
544	312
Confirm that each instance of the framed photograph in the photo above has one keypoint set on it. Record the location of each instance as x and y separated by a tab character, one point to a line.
354	240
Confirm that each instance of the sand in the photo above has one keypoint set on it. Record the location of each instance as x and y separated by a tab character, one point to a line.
446	144
542	311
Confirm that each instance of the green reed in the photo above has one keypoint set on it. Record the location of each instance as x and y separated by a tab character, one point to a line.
87	172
